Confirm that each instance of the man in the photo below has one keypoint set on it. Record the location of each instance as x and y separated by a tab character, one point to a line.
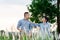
24	24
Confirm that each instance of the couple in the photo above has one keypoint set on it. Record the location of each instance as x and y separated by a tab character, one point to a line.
26	26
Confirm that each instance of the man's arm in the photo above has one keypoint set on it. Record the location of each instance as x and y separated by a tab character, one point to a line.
33	25
19	26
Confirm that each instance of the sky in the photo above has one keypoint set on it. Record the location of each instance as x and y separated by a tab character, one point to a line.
11	11
20	2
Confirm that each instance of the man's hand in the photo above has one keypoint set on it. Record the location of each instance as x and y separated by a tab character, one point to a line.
30	34
19	29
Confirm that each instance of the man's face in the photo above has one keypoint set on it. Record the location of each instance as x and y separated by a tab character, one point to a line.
43	20
27	16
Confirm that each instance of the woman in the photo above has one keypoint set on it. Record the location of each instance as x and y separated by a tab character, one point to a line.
45	27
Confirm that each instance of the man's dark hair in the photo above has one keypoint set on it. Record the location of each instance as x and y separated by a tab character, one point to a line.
46	18
26	13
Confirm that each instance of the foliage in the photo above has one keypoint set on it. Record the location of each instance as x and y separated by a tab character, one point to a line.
39	8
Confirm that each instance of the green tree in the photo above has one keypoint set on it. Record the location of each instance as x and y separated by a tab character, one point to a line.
58	16
39	8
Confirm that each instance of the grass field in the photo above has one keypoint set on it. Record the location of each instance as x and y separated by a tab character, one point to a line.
12	36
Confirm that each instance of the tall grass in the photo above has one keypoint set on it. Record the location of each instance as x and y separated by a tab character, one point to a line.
24	36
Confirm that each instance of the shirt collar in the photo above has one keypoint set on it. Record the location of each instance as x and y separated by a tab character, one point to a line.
45	23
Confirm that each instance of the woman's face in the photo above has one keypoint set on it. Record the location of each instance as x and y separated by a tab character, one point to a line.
44	20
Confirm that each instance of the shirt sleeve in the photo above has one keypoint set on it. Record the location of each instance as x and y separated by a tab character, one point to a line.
31	25
49	25
19	24
39	25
